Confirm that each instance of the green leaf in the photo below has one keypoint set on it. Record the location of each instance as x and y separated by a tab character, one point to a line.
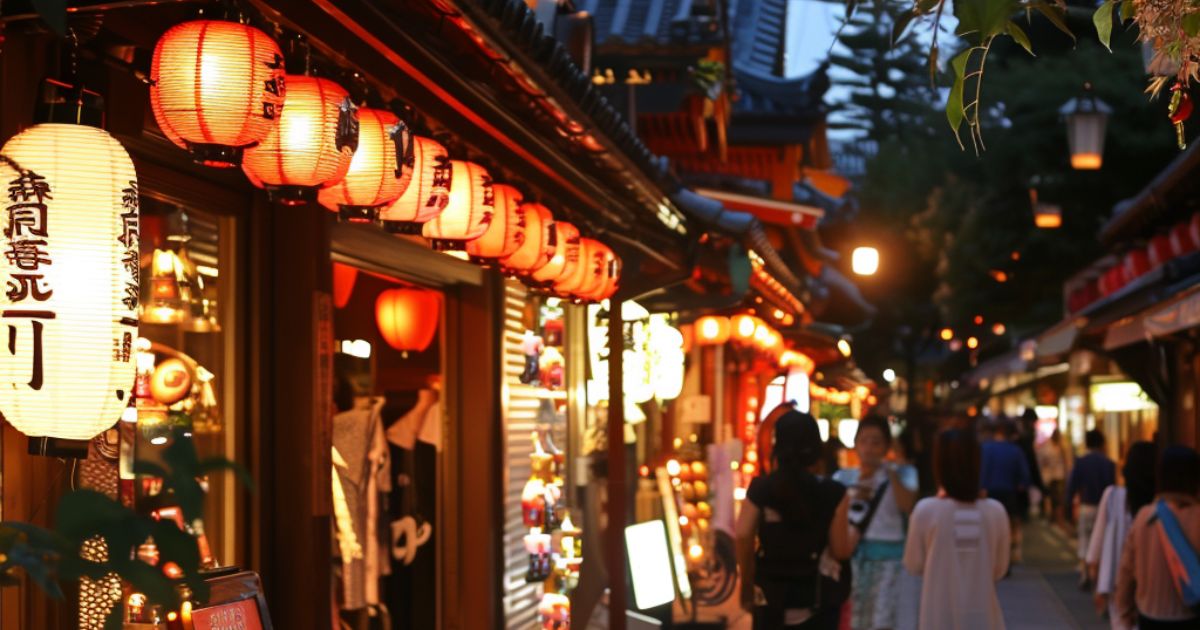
85	513
984	18
954	103
1191	24
1055	15
1127	10
1020	37
1103	19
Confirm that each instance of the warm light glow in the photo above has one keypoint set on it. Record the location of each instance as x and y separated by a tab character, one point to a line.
946	334
471	208
695	552
506	231
979	320
712	330
566	238
744	326
408	318
1047	218
304	151
578	272
683	521
71	302
673	467
375	178
889	375
999	275
843	347
972	342
539	244
429	190
847	430
865	261
998	329
1086	161
216	87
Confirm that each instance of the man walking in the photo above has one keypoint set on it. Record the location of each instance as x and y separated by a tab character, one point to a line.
1092	474
1004	476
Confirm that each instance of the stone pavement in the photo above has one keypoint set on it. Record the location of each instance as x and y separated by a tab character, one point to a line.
1041	594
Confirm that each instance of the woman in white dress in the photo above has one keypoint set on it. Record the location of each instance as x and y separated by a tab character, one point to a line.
958	542
1113	519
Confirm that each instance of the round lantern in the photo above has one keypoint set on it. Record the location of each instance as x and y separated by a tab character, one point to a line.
469	211
579	269
377	174
70	278
603	283
408	318
743	327
712	330
312	145
1136	263
216	88
1158	251
566	238
344	277
612	280
537	248
506	232
428	192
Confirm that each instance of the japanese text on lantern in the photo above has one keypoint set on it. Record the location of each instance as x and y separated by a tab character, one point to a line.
273	85
127	236
27	250
439	197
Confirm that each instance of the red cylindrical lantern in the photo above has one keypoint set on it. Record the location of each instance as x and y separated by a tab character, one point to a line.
1183	241
566	237
469	211
539	244
600	265
312	145
408	318
428	193
1136	264
1158	251
612	282
216	88
712	330
343	284
377	174
506	231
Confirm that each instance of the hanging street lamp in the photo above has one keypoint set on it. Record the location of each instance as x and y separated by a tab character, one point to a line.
1086	117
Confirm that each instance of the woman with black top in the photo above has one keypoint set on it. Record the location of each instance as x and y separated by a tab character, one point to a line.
790	518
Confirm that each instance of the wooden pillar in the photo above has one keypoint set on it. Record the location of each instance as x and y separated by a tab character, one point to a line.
617	490
291	311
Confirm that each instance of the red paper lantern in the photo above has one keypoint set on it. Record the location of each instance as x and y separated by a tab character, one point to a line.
408	318
216	88
469	211
566	238
579	270
343	284
539	243
312	145
601	264
506	231
1135	264
377	174
1158	251
1184	240
428	193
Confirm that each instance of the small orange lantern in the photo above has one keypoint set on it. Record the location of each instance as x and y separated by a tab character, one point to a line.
744	327
567	239
712	330
538	247
506	231
377	175
575	273
408	318
312	145
612	282
469	211
216	88
428	193
604	269
343	284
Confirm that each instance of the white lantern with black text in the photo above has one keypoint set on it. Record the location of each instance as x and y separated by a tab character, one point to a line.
69	274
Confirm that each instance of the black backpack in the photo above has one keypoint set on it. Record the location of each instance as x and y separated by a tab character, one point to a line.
787	566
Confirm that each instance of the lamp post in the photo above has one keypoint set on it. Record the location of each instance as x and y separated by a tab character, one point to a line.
1086	117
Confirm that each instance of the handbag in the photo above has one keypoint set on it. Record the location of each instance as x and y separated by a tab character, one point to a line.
1181	557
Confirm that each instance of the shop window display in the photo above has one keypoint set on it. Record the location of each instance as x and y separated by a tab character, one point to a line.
387	436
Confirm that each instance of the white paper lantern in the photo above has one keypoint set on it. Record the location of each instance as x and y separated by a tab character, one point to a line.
69	274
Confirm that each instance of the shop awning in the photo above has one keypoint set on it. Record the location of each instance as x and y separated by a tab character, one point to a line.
1177	314
1059	339
768	210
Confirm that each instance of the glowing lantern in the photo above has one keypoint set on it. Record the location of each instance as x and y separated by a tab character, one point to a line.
408	318
71	290
599	263
312	145
216	88
744	327
579	269
1087	118
343	284
605	283
566	238
540	241
712	330
428	192
506	231
469	211
864	261
377	174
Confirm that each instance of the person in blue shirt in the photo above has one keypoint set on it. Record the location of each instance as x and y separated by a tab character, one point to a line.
1004	476
1092	474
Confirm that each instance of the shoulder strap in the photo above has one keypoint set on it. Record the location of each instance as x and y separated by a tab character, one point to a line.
1181	557
876	499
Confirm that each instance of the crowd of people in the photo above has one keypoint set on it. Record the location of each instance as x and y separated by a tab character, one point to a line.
826	548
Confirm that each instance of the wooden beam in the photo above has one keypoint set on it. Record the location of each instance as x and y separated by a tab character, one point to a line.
617	489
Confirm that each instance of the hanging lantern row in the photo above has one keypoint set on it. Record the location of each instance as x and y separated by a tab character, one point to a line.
749	331
218	89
